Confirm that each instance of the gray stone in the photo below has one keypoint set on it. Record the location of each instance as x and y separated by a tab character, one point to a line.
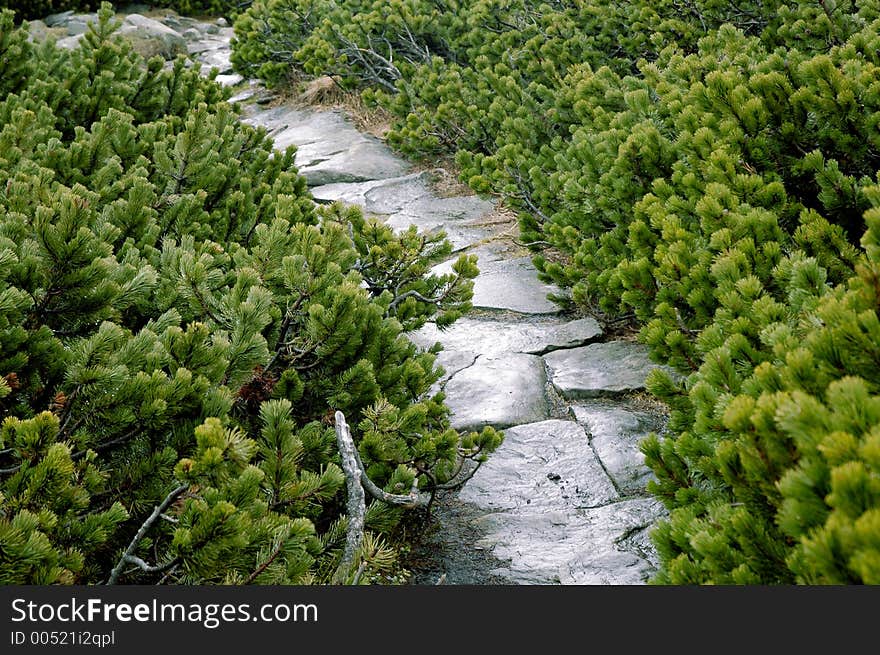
69	42
229	80
191	33
614	557
245	94
600	369
545	465
79	23
381	197
150	37
211	29
221	22
615	433
208	44
499	391
38	31
409	200
55	20
329	148
587	547
218	59
507	282
489	337
452	216
452	362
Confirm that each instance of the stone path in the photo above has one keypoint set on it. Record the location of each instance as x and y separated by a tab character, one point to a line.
563	499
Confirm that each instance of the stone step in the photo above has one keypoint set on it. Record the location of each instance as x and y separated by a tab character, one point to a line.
409	200
544	465
597	546
329	148
499	391
507	282
600	369
494	337
615	432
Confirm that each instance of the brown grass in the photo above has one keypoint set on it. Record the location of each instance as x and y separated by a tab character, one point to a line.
324	90
325	93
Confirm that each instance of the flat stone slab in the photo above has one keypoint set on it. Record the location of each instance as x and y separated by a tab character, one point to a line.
500	391
219	59
508	283
615	433
209	46
329	148
452	362
409	200
454	216
587	547
489	337
548	464
386	197
600	369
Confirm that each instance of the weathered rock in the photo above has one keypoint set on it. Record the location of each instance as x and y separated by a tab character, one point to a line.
599	369
229	80
247	93
222	22
150	37
79	23
545	465
585	547
38	31
408	200
384	197
619	552
514	285
59	19
452	216
507	282
615	433
499	391
490	337
69	42
219	59
329	148
191	34
452	362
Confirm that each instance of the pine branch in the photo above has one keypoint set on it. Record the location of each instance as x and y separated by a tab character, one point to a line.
411	500
355	504
127	557
262	567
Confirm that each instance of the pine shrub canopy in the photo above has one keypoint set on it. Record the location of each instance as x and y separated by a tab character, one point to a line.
710	174
178	322
39	9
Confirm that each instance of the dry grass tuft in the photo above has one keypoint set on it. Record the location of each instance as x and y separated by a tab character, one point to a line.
324	90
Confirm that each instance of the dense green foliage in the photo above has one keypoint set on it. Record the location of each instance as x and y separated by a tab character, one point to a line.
706	169
179	320
34	9
30	9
